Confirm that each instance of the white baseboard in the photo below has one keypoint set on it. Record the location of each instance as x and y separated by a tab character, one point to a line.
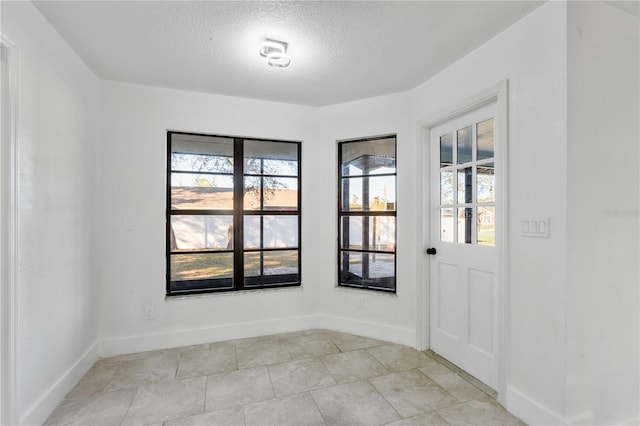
402	336
176	338
530	411
38	413
534	413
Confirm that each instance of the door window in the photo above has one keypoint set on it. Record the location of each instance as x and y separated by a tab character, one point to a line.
467	185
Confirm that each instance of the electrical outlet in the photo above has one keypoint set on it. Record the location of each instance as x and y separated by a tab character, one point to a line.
361	304
149	312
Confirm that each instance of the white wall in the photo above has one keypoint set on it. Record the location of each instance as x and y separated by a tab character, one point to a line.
132	163
390	317
132	263
532	55
132	169
556	345
57	127
603	358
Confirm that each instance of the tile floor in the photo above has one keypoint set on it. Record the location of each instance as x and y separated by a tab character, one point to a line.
314	377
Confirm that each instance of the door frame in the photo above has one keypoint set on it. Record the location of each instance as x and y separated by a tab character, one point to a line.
497	94
9	236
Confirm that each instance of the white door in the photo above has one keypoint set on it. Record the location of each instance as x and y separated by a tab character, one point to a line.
463	282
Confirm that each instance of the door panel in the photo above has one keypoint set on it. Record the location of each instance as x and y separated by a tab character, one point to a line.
463	279
448	295
481	300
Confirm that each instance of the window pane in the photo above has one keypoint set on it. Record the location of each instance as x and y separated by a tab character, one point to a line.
270	158
200	267
201	153
446	150
277	193
465	192
446	187
464	145
373	270
446	225
191	232
251	232
485	139
252	193
487	226
465	221
369	194
368	157
381	265
280	193
277	231
201	192
280	231
486	183
266	268
368	233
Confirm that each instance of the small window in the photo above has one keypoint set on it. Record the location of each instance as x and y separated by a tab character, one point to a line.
467	185
233	213
367	213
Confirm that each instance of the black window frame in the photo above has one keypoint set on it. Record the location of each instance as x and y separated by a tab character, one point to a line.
342	252
238	212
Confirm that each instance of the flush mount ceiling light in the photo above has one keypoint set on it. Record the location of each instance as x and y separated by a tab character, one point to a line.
276	53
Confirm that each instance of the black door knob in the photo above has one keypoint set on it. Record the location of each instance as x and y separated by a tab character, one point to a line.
431	251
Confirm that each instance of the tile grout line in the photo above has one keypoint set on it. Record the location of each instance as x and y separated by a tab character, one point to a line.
273	389
175	374
318	407
240	407
431	382
386	400
206	388
244	417
326	368
130	404
462	374
442	389
235	357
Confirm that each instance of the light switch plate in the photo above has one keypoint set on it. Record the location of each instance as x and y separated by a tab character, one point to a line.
537	227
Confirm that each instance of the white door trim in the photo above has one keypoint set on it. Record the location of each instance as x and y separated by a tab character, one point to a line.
499	95
9	251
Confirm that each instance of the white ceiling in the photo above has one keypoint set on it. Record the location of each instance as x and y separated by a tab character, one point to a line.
340	51
630	6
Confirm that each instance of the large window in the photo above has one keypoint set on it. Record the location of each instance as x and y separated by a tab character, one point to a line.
233	213
367	213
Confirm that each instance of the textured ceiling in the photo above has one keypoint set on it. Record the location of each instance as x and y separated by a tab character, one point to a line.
340	51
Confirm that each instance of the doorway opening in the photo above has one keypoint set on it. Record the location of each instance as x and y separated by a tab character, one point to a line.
462	299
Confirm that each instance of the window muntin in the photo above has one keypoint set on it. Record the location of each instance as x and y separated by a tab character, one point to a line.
233	216
367	213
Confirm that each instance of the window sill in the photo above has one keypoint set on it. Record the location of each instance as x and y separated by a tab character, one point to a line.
359	290
233	293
